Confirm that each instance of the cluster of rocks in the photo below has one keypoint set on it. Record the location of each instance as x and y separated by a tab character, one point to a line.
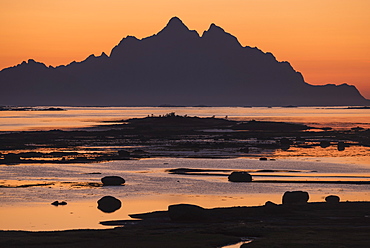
107	204
302	197
189	212
110	204
192	213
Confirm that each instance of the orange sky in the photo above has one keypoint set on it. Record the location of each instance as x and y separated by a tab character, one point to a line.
328	41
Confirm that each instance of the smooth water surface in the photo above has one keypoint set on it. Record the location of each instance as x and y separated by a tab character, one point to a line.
149	187
79	117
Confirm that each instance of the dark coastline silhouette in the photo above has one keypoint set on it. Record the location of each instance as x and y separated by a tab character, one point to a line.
176	66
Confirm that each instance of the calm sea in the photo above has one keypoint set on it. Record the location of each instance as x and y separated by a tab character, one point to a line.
80	117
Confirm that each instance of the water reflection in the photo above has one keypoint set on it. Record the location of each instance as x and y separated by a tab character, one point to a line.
239	244
85	215
77	117
27	190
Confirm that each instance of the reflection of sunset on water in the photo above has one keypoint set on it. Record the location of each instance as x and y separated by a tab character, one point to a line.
31	188
78	117
85	215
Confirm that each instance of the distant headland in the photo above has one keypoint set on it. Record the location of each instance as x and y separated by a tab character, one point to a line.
175	67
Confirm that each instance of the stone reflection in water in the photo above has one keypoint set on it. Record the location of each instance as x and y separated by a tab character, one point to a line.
109	204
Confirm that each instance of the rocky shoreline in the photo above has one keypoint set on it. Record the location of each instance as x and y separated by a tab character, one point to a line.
316	224
312	224
173	136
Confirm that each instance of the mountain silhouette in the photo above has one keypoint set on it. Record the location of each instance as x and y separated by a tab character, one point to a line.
176	66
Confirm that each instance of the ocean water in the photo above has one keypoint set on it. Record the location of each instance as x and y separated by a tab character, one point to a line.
31	188
78	117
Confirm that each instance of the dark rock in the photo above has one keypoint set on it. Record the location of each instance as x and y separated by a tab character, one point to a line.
286	141
57	203
341	146
356	129
270	204
123	153
109	204
295	197
285	147
332	199
12	157
186	212
245	150
325	143
240	176
263	159
112	181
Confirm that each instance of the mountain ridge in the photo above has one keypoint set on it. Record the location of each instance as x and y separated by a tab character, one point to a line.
176	66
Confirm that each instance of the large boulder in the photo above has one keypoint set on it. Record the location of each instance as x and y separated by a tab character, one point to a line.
295	197
186	212
109	204
332	199
240	176
112	181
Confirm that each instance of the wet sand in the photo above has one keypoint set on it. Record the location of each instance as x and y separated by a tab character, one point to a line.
268	230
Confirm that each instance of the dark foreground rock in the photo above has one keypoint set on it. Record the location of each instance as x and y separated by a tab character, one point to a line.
58	203
186	212
112	181
240	176
332	199
323	225
295	198
109	204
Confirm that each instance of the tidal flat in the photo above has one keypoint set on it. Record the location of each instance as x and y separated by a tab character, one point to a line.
175	159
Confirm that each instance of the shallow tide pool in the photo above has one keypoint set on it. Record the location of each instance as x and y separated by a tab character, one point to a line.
28	190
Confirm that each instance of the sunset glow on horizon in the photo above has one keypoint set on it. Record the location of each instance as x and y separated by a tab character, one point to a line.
327	41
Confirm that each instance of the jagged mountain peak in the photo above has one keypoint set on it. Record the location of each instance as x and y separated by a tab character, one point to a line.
217	33
175	21
214	27
175	27
104	55
32	63
175	66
